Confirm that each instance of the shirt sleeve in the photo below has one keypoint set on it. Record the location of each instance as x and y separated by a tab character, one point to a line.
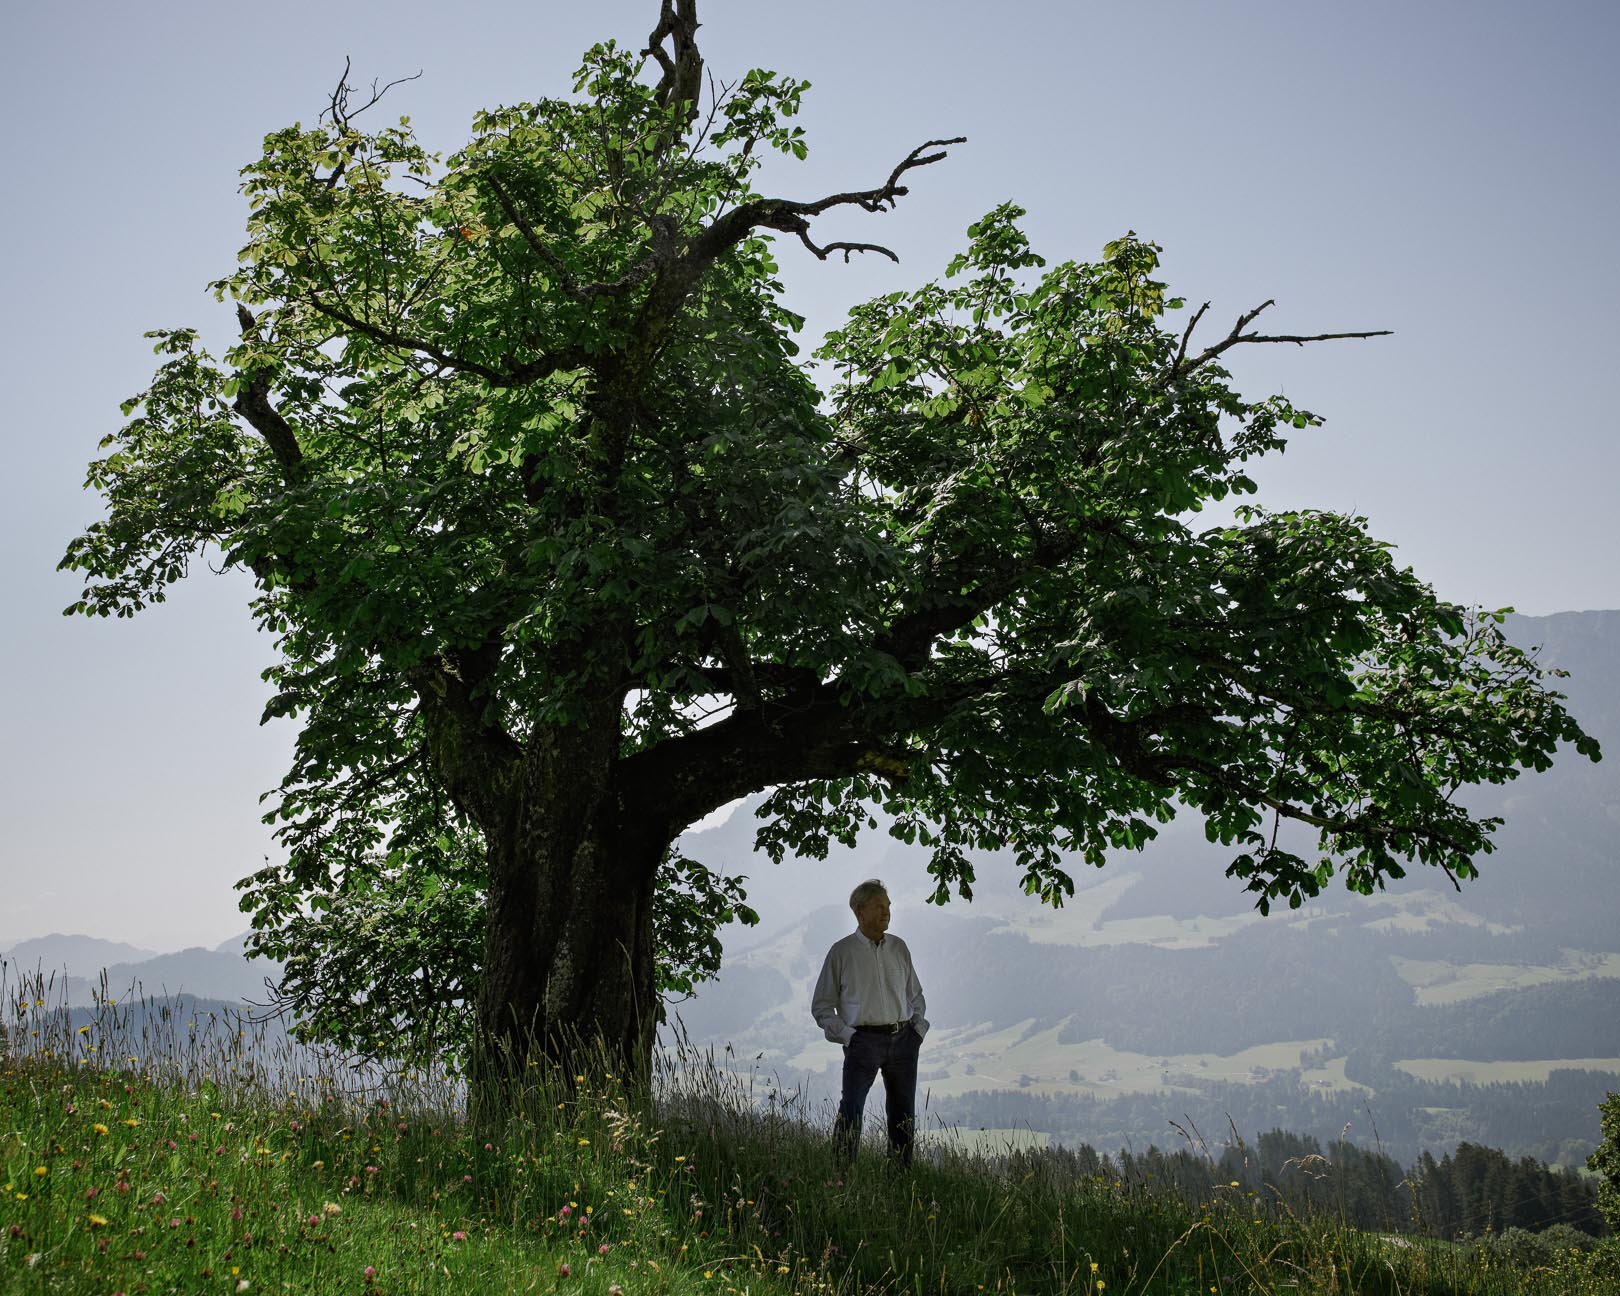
824	1003
915	1002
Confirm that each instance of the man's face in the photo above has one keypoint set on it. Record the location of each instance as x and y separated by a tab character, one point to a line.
873	917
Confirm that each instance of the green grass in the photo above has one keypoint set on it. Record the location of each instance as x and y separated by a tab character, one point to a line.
189	1161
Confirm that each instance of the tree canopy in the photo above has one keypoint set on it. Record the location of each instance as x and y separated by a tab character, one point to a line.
563	547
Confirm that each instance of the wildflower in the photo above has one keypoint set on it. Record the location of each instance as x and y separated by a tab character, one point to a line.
132	1122
331	1208
174	1223
243	1284
458	1236
41	1171
603	1249
615	1290
565	1212
157	1199
313	1220
97	1221
370	1275
563	1270
584	1142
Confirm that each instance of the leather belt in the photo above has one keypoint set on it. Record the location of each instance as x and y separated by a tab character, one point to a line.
893	1028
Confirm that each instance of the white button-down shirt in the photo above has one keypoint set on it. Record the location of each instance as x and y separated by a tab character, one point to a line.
867	983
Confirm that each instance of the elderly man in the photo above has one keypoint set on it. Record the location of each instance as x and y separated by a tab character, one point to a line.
868	999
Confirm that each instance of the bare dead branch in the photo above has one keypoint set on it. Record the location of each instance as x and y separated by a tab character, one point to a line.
822	253
790	216
1181	351
682	78
338	106
341	115
1183	366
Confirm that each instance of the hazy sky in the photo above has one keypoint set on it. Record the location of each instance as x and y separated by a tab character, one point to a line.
1448	171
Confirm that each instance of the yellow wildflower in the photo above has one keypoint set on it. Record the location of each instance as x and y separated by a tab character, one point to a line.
98	1221
99	1128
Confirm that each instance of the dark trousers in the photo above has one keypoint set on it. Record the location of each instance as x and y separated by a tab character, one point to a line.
869	1053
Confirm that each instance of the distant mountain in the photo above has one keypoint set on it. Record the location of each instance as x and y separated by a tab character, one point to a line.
84	964
1491	1015
198	972
55	952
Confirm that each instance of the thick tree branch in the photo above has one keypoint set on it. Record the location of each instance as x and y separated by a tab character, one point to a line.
678	781
253	404
792	217
680	274
478	763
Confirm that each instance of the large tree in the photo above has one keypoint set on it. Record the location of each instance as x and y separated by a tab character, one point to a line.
562	549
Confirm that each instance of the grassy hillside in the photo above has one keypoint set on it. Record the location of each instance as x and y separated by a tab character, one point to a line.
121	1176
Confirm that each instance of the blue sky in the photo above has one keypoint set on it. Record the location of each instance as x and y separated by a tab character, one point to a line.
1448	171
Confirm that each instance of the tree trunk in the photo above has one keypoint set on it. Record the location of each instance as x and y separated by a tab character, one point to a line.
568	977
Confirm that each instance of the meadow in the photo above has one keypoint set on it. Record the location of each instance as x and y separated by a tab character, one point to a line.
151	1152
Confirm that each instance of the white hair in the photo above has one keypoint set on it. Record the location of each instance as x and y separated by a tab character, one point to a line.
868	891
